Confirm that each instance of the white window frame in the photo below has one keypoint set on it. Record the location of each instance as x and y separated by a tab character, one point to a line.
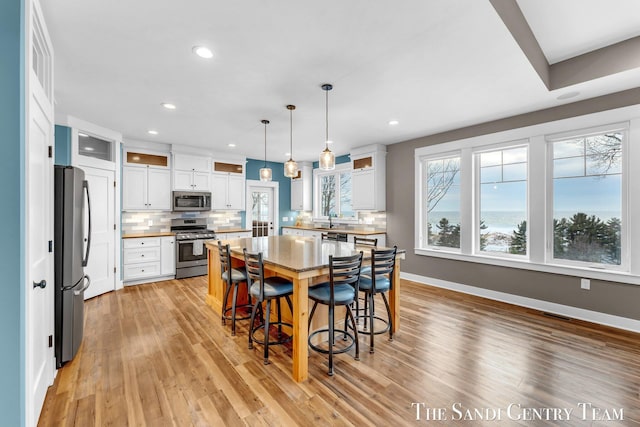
477	183
423	208
540	194
317	175
624	237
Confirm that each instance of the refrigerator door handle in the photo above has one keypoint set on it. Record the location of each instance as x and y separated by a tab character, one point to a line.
85	185
88	280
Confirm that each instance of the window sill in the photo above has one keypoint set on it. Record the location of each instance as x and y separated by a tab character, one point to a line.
579	272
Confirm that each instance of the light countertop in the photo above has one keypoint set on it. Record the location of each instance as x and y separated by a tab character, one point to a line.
148	234
337	230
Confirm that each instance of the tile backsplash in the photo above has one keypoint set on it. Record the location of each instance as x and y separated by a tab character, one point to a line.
370	221
140	222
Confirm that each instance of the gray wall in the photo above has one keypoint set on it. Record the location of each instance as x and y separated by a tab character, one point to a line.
617	299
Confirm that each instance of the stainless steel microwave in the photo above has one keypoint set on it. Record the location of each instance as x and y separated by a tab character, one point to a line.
191	201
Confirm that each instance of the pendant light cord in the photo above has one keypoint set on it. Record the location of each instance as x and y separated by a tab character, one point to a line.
290	133
265	144
327	118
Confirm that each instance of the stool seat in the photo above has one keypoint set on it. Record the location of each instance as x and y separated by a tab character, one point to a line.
273	287
236	275
383	284
342	294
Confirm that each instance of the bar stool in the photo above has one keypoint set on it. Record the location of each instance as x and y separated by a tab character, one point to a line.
378	281
341	289
232	277
266	289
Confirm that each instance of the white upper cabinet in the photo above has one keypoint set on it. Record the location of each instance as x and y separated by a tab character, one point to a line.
368	179
228	185
191	173
301	188
146	182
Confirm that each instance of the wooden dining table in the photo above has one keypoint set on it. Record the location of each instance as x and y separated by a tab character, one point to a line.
300	259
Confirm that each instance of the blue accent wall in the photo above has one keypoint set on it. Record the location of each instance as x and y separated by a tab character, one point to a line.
63	145
284	204
12	246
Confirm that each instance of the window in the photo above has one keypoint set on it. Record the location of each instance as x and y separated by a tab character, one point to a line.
587	198
553	197
333	193
502	201
443	202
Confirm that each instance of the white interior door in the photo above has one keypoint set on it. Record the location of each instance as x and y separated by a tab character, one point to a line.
103	240
39	295
262	208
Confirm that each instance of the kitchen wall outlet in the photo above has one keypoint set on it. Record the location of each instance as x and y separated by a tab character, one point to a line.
585	284
285	218
150	223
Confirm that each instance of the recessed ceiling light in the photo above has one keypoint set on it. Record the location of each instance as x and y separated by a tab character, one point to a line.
88	148
329	142
83	135
152	132
232	145
393	122
287	154
203	52
568	95
168	106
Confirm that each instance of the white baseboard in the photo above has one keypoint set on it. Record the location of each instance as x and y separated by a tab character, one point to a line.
549	307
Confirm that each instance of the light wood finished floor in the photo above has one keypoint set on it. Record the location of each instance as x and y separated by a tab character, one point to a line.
156	355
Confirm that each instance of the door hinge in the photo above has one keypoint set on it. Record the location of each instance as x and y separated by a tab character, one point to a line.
50	341
114	269
50	245
50	151
114	226
114	184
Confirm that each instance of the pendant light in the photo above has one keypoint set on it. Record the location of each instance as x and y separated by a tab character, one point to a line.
327	158
265	172
291	167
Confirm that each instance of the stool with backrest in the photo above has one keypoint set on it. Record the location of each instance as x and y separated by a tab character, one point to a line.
232	277
378	281
340	290
266	289
370	242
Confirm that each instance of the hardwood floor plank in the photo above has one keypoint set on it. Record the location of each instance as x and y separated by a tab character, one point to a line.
157	355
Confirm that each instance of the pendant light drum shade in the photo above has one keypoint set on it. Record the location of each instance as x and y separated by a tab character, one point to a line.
290	166
327	158
265	172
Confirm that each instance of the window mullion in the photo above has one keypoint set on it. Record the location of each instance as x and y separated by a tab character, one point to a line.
538	200
468	198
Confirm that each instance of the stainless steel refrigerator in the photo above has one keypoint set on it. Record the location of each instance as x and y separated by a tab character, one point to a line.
72	242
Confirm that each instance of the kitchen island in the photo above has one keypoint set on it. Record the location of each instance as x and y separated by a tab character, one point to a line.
301	260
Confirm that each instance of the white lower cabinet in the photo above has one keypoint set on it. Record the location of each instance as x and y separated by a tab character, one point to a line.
233	235
147	259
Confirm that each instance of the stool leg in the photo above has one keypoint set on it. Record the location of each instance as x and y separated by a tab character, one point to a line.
331	340
233	309
266	333
386	303
313	310
279	318
355	331
224	304
253	318
371	314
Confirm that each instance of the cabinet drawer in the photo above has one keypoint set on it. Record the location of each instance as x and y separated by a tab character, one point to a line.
141	270
135	255
143	242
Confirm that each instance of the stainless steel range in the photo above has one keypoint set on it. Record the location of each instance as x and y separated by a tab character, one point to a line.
191	254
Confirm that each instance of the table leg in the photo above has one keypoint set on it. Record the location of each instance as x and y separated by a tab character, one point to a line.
394	298
300	329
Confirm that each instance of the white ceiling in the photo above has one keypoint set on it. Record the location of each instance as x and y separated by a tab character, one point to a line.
433	65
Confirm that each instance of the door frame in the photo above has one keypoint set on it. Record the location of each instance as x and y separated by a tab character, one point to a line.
256	184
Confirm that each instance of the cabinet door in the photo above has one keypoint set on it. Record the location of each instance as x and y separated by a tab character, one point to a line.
167	255
363	190
134	188
297	194
235	193
182	180
188	162
219	192
159	189
200	181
